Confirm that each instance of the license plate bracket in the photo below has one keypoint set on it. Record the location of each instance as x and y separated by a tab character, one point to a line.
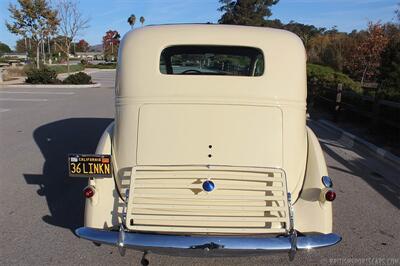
89	165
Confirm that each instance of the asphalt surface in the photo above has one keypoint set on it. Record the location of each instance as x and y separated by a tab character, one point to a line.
40	207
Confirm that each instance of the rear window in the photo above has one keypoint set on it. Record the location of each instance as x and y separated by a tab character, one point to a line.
212	60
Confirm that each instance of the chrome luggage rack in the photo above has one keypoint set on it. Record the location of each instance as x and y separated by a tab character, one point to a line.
208	245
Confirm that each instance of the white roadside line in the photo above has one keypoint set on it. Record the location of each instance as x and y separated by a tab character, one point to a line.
2	110
38	92
23	100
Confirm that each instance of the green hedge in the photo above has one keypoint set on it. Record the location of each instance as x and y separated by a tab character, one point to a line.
102	65
49	76
329	78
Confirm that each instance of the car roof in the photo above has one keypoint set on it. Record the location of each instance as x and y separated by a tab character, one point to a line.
139	62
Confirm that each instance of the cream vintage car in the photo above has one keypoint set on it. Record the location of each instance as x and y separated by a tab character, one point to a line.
209	149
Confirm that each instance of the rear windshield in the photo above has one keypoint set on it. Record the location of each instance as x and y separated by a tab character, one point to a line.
212	60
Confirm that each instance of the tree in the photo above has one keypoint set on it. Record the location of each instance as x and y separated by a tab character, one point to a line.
22	46
305	32
331	48
366	58
111	42
332	55
390	61
33	19
390	66
72	23
246	12
4	48
82	46
274	23
132	20
141	20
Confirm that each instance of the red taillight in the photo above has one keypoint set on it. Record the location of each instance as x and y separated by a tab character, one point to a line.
88	192
330	195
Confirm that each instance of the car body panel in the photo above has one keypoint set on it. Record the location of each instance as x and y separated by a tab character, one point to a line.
200	134
174	133
140	82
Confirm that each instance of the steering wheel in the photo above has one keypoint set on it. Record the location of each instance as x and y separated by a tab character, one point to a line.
191	70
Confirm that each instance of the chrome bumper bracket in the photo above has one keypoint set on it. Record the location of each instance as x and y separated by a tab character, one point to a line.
292	232
121	240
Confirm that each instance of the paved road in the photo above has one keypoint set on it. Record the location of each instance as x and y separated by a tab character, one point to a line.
40	207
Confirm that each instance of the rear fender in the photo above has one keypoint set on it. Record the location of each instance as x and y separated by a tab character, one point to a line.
310	213
100	210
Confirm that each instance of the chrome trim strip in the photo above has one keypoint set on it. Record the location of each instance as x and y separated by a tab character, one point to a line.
148	241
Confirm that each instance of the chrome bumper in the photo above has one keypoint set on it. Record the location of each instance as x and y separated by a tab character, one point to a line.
157	242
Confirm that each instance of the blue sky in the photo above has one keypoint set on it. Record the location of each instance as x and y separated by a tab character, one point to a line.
112	14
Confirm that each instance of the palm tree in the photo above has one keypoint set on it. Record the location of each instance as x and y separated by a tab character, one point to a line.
132	20
141	20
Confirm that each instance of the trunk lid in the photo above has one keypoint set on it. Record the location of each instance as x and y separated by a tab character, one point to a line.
204	134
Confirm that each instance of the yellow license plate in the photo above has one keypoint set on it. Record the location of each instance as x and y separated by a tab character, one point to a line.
89	165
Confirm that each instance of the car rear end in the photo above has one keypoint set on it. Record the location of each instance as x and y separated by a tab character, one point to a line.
210	153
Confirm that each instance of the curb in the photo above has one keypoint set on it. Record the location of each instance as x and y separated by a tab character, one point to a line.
352	140
49	86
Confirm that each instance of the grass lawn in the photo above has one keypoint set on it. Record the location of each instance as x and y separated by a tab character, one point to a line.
102	66
63	68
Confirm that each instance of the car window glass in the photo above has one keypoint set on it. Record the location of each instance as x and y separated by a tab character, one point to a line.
212	60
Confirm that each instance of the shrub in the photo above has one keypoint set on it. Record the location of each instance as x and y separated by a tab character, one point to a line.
41	76
329	78
78	78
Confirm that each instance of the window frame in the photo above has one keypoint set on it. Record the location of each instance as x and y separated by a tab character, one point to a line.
252	52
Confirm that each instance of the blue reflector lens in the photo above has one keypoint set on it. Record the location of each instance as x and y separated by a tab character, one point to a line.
208	186
327	181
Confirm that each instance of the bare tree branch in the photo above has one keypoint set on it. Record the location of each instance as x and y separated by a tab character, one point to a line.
72	23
